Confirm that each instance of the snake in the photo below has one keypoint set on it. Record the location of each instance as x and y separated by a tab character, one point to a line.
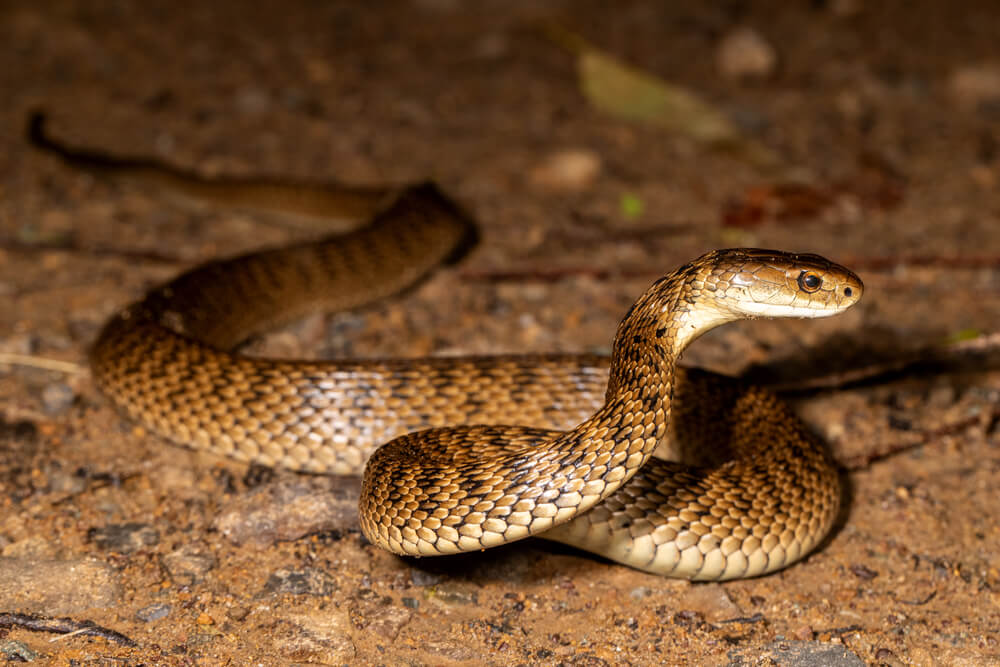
672	470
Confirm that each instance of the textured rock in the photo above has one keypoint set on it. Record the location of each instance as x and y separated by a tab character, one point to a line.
322	637
284	511
743	52
188	565
57	587
307	581
804	654
975	85
124	538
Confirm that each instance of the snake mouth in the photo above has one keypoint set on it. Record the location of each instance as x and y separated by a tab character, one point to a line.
757	309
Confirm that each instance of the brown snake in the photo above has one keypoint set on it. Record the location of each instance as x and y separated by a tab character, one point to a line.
755	493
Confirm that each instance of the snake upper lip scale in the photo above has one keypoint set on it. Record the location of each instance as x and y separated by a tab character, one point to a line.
755	490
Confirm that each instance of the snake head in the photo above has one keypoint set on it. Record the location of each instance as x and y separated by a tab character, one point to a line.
768	283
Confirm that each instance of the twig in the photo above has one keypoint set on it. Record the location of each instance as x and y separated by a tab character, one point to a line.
862	461
937	359
919	603
63	626
756	618
840	631
94	250
32	361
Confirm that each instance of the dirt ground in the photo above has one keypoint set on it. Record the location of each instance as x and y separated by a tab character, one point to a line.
886	121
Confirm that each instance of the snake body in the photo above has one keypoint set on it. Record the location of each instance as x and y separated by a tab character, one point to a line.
755	493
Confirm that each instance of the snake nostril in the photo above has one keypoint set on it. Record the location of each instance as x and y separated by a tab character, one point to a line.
848	291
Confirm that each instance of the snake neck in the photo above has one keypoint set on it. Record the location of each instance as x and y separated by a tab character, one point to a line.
655	331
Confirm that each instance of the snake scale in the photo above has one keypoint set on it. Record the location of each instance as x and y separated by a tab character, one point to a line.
484	451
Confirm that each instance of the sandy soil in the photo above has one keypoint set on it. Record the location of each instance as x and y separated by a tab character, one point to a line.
887	118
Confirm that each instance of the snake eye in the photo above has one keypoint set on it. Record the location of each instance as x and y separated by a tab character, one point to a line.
809	281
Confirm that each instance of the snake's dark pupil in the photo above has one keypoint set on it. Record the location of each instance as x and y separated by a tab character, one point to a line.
848	291
809	281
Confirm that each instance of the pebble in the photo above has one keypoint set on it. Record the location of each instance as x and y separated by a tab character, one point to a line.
744	53
287	510
124	538
67	482
640	592
34	547
16	651
845	9
62	587
711	601
381	620
455	652
253	101
307	581
153	612
974	86
804	654
238	613
320	638
456	594
22	343
188	565
569	170
424	578
57	398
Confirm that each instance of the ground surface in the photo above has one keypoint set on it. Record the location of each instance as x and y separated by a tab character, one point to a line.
889	116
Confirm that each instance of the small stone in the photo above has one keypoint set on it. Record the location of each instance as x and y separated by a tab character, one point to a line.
307	581
238	613
323	638
454	652
16	651
22	431
153	612
424	578
567	170
69	483
57	398
410	603
941	396
32	547
863	573
380	620
57	587
806	654
288	510
492	46
253	101
456	594
204	619
18	344
744	53
640	592
188	565
974	86
844	9
124	538
710	601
